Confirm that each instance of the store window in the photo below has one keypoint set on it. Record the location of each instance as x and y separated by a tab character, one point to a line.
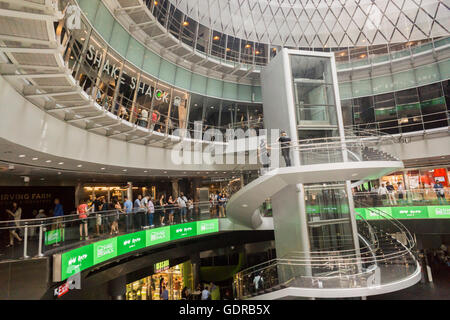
151	288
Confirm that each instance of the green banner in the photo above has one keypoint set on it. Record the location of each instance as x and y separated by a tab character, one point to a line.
104	250
416	212
76	261
54	236
362	212
410	212
183	230
439	212
158	235
131	242
207	226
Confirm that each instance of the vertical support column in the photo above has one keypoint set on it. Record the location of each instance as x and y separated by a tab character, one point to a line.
117	288
130	191
175	188
351	207
196	262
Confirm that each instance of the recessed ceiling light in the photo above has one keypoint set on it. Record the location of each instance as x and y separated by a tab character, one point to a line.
42	178
165	171
124	170
102	168
22	156
34	159
145	171
61	163
48	161
59	172
79	166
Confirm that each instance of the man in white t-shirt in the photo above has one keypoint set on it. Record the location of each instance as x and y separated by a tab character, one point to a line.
181	201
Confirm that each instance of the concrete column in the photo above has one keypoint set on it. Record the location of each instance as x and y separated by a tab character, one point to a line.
117	288
78	193
130	191
175	188
196	262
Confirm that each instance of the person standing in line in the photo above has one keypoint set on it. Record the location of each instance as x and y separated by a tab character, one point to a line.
181	201
285	144
391	193
144	208
115	217
97	203
15	214
83	211
190	209
151	212
171	205
162	212
138	211
128	207
220	201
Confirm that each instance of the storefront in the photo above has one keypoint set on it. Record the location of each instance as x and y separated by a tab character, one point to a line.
420	182
150	288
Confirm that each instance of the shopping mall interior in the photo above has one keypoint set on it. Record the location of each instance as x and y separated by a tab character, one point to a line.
224	150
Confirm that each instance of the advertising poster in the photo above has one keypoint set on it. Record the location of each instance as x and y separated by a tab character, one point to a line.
104	250
183	230
410	212
207	226
158	235
130	242
54	236
76	261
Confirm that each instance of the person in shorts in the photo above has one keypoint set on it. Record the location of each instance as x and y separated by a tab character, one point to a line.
83	211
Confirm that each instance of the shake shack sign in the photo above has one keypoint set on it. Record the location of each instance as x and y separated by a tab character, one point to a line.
94	57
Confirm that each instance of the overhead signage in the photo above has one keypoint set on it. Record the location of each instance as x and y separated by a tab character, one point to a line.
161	266
183	230
158	235
414	212
95	57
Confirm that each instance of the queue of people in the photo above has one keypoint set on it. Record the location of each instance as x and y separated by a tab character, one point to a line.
218	204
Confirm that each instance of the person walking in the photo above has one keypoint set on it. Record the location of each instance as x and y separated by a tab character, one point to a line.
144	208
285	143
190	205
401	193
382	193
206	295
97	205
264	156
14	214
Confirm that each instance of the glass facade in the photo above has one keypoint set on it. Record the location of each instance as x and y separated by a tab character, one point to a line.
425	107
115	83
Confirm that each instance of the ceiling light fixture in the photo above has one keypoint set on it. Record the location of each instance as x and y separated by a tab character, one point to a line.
60	163
22	156
34	159
79	166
